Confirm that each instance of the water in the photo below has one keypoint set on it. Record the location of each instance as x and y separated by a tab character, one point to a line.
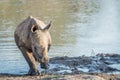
79	27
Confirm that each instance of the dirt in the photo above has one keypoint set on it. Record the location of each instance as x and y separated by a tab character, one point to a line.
62	77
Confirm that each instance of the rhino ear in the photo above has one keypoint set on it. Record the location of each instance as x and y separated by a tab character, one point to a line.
34	28
47	27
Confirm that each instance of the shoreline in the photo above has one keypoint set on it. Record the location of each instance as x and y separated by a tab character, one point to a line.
93	76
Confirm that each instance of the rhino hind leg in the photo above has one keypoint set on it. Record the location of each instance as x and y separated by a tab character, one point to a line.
31	61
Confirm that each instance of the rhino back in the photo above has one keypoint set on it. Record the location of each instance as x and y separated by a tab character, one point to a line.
22	30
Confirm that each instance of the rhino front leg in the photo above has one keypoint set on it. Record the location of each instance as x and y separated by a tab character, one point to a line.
31	61
33	70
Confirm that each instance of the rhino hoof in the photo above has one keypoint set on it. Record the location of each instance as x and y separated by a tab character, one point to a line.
34	73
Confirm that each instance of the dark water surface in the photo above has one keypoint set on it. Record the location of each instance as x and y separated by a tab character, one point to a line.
79	27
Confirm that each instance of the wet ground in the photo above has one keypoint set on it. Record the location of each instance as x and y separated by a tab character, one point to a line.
62	77
101	63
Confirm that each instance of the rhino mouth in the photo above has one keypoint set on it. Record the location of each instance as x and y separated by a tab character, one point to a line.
38	57
45	65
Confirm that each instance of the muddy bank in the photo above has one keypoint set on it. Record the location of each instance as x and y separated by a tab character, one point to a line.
101	63
61	77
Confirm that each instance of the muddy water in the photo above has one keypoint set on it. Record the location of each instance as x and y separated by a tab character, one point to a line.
79	27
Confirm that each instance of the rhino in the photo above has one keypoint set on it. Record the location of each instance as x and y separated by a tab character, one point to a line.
33	39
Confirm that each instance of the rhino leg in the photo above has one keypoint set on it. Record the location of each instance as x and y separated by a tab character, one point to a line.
31	61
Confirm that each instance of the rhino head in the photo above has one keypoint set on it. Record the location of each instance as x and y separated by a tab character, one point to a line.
40	41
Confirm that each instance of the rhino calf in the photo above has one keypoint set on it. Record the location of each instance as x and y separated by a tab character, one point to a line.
33	39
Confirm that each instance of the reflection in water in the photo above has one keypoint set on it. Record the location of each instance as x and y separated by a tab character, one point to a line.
78	27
